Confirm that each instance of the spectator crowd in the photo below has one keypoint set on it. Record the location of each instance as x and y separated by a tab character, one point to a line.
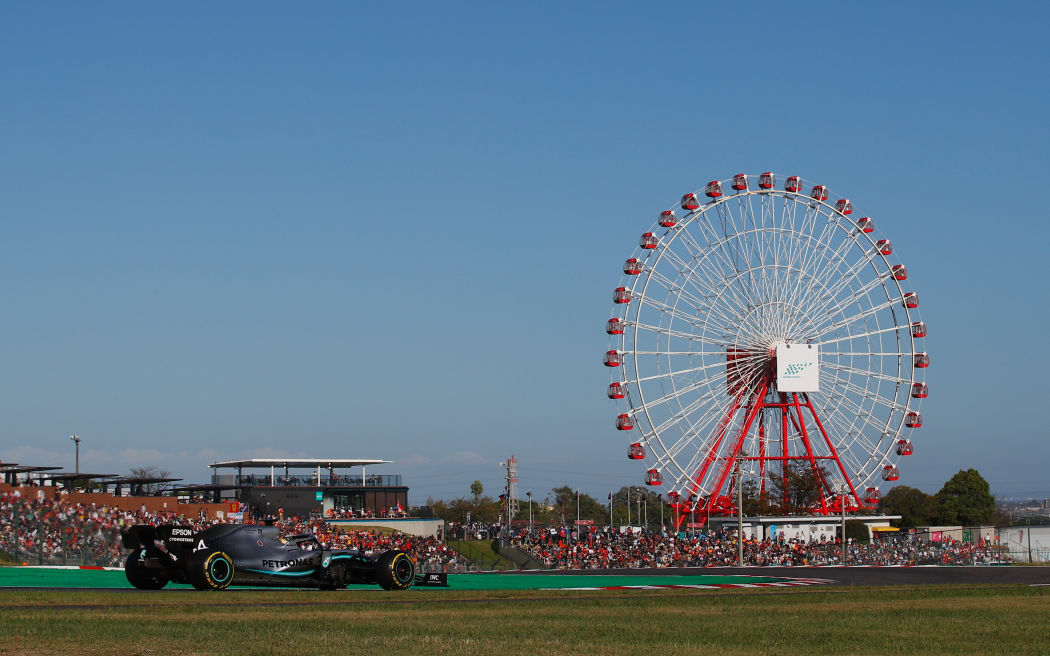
565	548
59	531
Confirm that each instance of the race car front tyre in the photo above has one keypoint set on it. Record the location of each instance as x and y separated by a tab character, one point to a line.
212	570
141	577
394	570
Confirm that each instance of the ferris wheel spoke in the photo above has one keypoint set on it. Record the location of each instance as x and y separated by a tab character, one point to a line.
691	387
697	353
865	415
740	238
678	333
870	312
681	372
698	304
720	277
863	372
819	305
868	333
720	250
866	354
707	286
807	256
861	442
832	270
671	311
866	394
846	450
834	306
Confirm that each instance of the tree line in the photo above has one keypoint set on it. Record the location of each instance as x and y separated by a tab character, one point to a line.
964	499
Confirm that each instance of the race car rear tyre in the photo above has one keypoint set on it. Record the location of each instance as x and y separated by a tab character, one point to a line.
212	570
141	577
394	570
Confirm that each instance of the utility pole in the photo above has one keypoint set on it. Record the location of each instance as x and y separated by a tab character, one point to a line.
842	489
76	440
660	498
1029	520
628	506
577	509
739	517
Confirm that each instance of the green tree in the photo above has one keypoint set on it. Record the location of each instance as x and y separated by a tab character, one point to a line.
476	488
857	530
915	507
965	499
643	502
804	488
564	503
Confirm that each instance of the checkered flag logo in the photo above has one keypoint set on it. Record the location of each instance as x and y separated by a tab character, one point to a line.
796	369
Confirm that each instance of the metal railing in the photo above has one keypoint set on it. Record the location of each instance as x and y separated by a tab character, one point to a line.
311	480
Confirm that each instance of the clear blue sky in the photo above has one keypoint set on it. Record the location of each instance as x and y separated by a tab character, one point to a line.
348	230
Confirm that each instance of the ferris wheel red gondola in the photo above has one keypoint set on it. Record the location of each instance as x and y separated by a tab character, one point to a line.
766	327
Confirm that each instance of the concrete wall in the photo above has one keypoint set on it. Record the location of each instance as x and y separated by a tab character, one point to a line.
426	527
1016	540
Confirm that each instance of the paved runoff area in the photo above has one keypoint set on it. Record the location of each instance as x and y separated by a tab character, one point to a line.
649	579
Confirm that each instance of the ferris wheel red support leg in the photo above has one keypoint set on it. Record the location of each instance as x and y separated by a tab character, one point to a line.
818	475
714	502
834	452
723	426
784	445
762	455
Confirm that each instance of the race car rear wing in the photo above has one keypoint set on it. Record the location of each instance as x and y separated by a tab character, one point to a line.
144	536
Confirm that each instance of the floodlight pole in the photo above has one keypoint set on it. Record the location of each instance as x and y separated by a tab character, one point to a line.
76	441
529	494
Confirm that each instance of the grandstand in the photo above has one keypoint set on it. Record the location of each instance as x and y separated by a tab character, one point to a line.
330	487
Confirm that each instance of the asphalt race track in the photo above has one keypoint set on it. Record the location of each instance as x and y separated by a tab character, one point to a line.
673	577
861	575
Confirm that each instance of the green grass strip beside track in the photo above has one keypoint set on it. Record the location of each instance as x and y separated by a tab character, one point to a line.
78	578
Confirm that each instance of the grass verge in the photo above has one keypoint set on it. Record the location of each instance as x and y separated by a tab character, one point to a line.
885	620
482	554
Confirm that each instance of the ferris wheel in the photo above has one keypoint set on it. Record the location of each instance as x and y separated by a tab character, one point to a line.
771	330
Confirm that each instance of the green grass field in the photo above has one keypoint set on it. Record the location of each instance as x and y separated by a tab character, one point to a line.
812	621
481	553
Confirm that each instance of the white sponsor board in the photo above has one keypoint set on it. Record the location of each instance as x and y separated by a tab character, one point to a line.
798	368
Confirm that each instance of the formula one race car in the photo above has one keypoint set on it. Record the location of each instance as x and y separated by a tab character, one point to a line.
245	554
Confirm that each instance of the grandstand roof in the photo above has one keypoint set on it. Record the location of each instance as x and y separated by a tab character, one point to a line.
142	479
72	476
304	463
203	486
11	468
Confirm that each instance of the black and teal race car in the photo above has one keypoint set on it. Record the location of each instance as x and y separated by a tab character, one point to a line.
255	555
